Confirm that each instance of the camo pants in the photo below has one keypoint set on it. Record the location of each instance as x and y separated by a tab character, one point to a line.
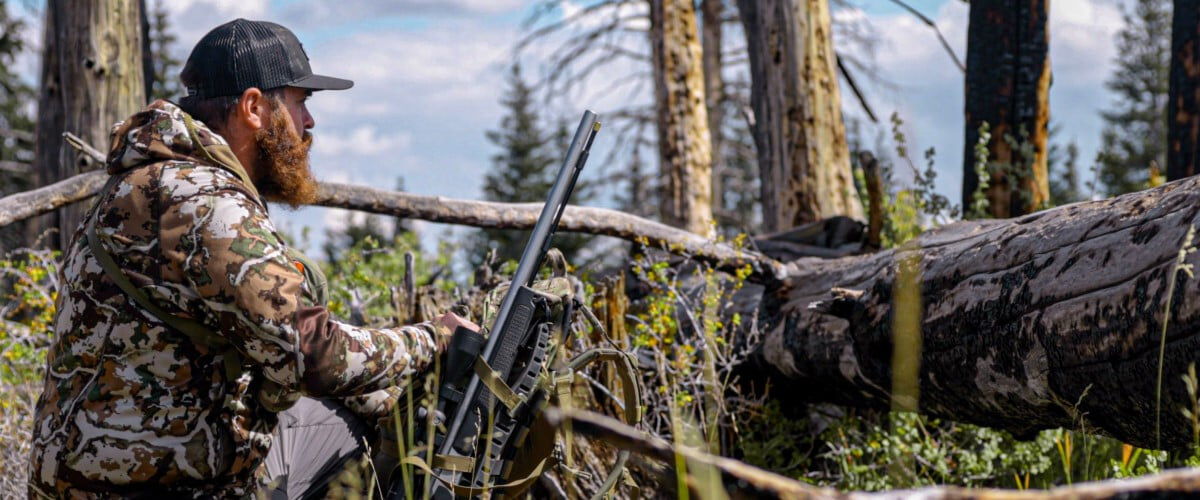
314	441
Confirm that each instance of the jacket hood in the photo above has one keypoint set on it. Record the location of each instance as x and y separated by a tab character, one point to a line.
163	132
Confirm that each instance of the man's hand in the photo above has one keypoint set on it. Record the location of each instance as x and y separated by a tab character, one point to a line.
451	321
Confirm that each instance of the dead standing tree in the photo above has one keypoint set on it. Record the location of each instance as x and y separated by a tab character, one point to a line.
803	158
92	77
712	13
1008	87
685	150
1183	108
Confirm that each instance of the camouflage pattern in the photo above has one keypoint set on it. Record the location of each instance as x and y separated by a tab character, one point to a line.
131	406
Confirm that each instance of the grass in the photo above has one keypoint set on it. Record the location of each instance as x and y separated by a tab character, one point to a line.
16	423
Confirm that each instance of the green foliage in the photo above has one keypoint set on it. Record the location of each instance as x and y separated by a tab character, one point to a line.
777	440
1134	138
28	289
686	324
980	205
366	274
523	171
906	450
909	211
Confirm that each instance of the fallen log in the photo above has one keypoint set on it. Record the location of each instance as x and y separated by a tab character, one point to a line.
590	220
20	206
1049	320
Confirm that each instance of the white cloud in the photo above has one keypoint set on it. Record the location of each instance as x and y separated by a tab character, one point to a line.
193	18
310	14
364	140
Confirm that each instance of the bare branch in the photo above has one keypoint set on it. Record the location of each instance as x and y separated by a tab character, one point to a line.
854	88
929	22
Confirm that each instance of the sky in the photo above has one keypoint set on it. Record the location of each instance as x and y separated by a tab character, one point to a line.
429	75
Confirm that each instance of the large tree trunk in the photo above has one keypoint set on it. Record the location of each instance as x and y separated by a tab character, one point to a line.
1053	319
1183	114
1008	86
804	161
685	153
92	77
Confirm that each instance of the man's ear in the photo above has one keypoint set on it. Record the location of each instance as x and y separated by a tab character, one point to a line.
252	109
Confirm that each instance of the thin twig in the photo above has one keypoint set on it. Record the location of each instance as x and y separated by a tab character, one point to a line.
929	22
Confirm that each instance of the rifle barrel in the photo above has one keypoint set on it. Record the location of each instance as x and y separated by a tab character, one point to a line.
531	258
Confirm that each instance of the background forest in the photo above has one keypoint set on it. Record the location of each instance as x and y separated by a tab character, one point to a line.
781	128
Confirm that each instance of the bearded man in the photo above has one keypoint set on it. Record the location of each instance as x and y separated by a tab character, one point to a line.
189	336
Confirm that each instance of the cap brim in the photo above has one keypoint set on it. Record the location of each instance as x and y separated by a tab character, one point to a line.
322	82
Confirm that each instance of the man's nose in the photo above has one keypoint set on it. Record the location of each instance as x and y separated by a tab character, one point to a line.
308	120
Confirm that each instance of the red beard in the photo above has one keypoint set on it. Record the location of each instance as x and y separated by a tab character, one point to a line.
283	161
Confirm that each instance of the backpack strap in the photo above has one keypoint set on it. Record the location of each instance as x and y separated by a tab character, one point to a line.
197	332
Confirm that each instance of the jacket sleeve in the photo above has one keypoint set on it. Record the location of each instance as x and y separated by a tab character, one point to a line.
250	292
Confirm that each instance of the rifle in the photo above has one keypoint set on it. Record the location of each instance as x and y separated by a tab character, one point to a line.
507	368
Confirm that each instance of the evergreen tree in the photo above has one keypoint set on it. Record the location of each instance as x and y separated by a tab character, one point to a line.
1134	138
16	123
166	67
1063	170
523	171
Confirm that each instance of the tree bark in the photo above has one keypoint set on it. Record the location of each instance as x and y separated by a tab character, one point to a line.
1008	86
685	153
804	160
1049	320
1183	113
711	13
91	78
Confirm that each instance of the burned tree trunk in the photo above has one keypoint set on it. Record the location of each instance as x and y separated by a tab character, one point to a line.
1049	320
1008	87
685	153
803	157
91	78
1183	113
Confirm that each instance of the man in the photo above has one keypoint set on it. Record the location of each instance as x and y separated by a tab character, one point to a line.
186	324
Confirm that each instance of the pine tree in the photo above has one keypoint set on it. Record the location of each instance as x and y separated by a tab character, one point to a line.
523	171
1062	167
1134	138
165	66
16	124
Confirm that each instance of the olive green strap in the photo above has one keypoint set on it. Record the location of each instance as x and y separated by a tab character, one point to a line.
492	380
196	331
466	491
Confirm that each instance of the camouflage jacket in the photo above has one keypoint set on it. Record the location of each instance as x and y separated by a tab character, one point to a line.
131	406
